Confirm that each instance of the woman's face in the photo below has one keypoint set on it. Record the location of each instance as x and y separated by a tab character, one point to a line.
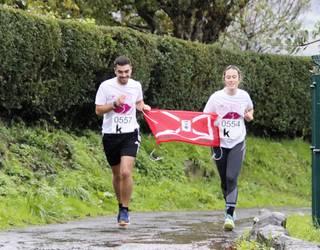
231	79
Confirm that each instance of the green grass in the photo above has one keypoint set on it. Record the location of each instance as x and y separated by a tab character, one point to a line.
301	226
243	244
50	175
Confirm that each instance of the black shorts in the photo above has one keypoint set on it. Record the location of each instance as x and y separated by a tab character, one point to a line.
117	145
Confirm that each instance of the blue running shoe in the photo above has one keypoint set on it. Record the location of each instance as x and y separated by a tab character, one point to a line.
124	218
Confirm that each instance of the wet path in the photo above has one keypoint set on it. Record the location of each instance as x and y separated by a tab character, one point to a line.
157	231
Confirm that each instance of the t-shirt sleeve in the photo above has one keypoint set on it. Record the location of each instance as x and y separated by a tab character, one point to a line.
250	103
209	106
100	97
140	95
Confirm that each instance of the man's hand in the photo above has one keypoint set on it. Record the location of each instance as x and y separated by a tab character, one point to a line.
146	107
120	100
142	106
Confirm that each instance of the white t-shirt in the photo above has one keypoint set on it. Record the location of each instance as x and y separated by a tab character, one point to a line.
230	109
122	119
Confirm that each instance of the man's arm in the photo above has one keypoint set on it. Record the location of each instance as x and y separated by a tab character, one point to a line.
142	106
105	108
102	109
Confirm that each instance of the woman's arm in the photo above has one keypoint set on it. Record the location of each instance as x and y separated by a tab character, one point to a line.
248	115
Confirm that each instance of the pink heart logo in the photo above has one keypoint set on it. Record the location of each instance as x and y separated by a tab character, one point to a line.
122	109
232	115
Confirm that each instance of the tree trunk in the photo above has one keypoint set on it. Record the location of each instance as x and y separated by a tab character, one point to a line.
202	21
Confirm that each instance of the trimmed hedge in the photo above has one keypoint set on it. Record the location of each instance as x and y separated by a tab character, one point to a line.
51	69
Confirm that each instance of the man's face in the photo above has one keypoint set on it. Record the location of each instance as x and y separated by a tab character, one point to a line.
123	73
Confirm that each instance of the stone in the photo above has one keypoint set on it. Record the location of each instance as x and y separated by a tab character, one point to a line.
270	228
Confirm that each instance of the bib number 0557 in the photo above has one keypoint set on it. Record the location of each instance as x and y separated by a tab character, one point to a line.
122	124
122	119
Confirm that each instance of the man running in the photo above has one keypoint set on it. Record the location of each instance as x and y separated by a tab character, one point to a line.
117	100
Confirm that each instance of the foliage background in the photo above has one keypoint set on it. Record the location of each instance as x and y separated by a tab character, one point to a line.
52	175
50	70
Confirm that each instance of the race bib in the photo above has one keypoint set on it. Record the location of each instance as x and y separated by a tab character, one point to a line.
231	129
122	123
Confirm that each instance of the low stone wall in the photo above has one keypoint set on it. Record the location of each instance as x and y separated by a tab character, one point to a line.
270	228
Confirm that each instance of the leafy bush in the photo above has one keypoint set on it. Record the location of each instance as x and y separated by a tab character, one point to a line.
51	69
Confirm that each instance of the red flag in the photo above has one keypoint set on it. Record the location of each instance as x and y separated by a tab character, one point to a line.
186	126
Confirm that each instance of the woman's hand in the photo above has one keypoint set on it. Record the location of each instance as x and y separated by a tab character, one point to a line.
248	115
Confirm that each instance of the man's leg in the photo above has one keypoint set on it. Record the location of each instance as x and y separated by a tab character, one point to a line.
126	168
116	181
126	186
111	145
129	151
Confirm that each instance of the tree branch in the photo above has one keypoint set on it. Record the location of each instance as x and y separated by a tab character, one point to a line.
306	44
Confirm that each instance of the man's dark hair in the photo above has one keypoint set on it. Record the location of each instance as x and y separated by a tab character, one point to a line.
122	60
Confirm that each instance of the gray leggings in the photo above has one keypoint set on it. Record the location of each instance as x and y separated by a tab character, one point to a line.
229	167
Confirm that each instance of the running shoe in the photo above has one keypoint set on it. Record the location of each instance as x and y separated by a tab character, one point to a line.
124	218
228	223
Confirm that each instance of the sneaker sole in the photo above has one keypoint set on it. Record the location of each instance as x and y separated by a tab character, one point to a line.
228	227
123	224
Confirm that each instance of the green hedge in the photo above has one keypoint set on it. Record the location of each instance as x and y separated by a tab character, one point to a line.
50	69
187	73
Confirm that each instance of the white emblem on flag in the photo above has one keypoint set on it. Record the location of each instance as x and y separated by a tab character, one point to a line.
186	125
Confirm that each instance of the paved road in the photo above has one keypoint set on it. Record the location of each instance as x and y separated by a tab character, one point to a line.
155	231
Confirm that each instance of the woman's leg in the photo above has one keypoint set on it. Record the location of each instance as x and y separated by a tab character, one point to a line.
220	156
234	164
